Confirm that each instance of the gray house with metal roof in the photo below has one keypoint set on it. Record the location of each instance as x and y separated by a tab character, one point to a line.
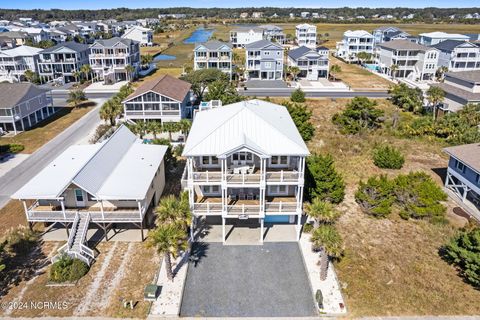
313	64
461	88
22	105
109	59
213	55
458	55
264	60
62	61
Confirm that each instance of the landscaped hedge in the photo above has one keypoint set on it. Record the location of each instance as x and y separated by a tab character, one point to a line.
68	269
11	148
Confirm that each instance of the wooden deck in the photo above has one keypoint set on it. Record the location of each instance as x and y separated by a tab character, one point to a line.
213	206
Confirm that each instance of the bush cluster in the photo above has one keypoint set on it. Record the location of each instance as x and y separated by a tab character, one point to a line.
68	269
322	179
360	115
415	195
301	116
297	96
387	157
11	148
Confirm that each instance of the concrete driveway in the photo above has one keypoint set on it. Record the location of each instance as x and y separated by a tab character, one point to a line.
247	281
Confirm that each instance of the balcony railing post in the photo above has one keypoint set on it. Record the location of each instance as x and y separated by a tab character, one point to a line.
281	175
208	207
207	175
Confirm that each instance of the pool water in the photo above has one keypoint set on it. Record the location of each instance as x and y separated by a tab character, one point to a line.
199	35
163	57
276	219
371	66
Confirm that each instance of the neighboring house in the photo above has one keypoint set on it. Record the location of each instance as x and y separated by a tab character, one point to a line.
22	105
432	38
213	54
113	184
354	42
17	38
14	62
312	64
458	55
109	59
56	36
143	35
273	33
463	176
381	34
62	61
264	60
413	61
306	35
461	88
240	37
245	161
165	99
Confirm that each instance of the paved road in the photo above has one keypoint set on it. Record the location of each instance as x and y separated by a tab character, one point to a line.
18	176
326	94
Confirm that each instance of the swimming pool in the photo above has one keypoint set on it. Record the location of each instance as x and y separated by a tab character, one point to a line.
276	219
163	57
199	35
372	66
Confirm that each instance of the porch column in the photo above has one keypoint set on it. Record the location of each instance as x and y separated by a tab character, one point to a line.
62	203
465	192
101	209
140	210
223	230
15	127
192	226
25	208
261	230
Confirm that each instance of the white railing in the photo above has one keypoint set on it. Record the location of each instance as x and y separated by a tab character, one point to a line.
207	207
207	176
73	231
120	215
282	176
89	252
280	207
243	209
85	227
243	178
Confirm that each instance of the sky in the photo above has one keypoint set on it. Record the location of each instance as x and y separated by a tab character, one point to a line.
101	4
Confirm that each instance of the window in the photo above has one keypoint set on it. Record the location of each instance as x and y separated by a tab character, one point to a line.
79	195
279	160
277	190
268	64
209	160
460	166
211	189
478	179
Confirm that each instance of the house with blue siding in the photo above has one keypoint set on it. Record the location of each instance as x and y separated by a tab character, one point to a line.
264	60
463	176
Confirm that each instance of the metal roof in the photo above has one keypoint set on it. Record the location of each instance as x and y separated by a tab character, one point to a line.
113	41
213	45
450	45
121	168
302	51
254	124
260	44
72	45
21	51
404	45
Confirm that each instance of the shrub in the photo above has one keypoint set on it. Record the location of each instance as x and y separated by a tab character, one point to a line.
178	150
463	251
375	197
360	115
11	148
307	227
20	240
301	117
323	180
387	157
68	269
418	197
297	96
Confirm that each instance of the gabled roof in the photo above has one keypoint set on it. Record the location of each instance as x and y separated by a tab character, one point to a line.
469	154
357	34
12	94
121	168
270	27
113	41
450	45
445	35
213	45
21	51
255	124
302	51
140	28
247	29
404	45
472	76
305	26
387	28
262	44
398	33
72	45
165	85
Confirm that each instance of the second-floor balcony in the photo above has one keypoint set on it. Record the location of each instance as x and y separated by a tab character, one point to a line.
245	175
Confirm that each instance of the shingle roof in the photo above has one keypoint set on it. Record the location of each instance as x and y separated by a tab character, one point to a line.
113	41
383	28
469	76
469	154
301	51
165	85
255	124
260	44
11	94
449	45
465	95
403	45
213	45
72	45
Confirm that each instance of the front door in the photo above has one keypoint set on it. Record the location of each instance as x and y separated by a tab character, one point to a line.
80	198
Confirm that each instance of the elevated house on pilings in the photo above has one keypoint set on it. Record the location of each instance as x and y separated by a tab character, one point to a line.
245	161
113	185
463	176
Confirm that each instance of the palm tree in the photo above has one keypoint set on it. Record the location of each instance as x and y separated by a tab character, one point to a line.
393	70
30	75
322	212
334	70
130	70
140	128
184	125
75	97
363	56
327	239
77	75
294	71
146	60
110	110
154	127
86	69
435	95
441	72
170	127
172	210
169	240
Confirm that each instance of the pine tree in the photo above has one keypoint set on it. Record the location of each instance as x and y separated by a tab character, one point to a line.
323	180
